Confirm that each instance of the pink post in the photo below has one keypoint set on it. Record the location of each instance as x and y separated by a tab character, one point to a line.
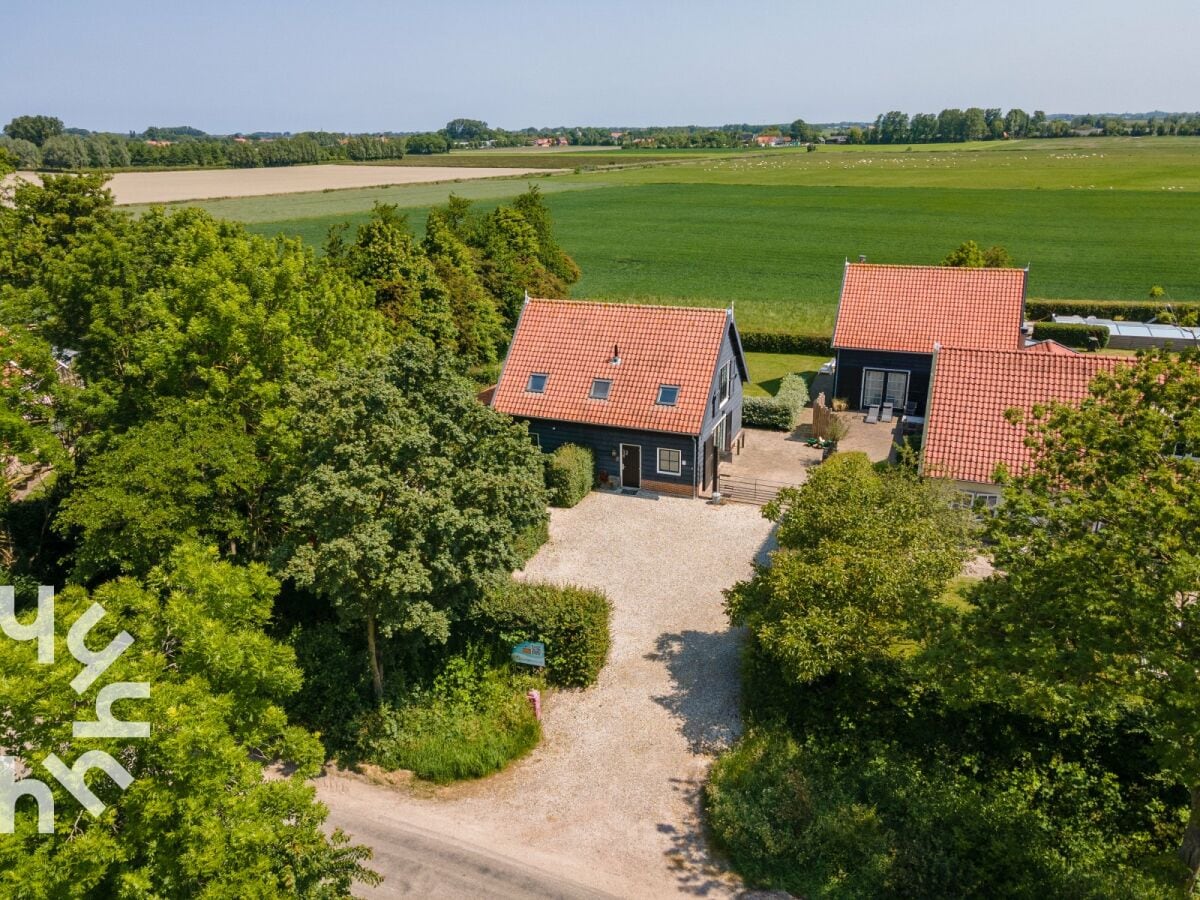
535	700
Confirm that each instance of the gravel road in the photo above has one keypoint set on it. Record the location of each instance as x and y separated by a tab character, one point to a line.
610	799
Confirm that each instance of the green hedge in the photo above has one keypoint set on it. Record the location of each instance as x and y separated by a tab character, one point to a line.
779	342
781	412
1121	310
1070	334
530	540
570	471
571	621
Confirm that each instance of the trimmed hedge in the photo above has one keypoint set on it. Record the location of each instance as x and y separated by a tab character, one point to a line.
530	540
1121	310
571	621
570	471
781	412
779	342
1070	334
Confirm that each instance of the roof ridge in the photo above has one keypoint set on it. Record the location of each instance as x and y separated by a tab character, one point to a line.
581	301
871	265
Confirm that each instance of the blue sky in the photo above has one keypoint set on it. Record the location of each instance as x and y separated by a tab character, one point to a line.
362	65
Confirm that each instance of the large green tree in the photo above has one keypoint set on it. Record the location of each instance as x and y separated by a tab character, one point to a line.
863	557
198	819
409	499
35	129
1094	614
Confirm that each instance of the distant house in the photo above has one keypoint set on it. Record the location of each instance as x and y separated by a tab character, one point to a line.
890	319
770	140
543	142
1140	335
654	391
967	430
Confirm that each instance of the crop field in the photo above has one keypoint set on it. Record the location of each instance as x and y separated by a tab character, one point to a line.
769	230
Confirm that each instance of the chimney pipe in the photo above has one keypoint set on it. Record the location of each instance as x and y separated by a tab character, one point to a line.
616	357
862	257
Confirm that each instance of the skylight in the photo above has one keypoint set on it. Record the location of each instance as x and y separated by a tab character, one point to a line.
537	383
668	394
600	389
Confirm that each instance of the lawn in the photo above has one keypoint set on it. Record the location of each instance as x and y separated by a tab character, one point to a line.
768	369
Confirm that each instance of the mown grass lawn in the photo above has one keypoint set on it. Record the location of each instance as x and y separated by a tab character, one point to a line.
768	369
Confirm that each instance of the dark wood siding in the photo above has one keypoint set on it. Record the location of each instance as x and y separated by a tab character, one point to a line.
605	443
850	365
714	411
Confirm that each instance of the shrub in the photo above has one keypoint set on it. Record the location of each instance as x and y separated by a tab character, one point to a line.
531	539
570	471
780	412
571	621
1121	310
1071	334
336	686
782	342
471	722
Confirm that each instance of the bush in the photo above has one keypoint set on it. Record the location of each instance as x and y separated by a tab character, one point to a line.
571	621
1070	334
780	412
570	471
1121	310
530	540
336	687
782	342
471	722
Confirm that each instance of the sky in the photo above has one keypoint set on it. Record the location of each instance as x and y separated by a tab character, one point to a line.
372	65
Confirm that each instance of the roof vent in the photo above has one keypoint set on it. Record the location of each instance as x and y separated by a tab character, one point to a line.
862	257
616	357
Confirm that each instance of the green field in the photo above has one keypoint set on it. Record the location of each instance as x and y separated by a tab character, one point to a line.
769	230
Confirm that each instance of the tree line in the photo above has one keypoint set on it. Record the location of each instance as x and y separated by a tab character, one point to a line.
270	468
42	142
979	124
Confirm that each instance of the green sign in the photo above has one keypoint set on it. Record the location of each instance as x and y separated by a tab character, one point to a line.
532	653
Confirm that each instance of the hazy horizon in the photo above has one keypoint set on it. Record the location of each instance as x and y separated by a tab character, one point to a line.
374	66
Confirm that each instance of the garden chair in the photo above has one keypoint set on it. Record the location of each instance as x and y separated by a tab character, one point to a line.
886	414
873	414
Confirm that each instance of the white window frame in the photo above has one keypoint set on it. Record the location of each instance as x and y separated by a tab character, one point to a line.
607	391
529	383
970	500
659	451
726	375
673	387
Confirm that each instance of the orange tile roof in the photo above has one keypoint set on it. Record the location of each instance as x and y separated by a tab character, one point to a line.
572	342
907	309
966	432
1051	347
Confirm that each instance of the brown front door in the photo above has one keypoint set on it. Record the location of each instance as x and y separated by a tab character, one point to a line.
631	466
710	463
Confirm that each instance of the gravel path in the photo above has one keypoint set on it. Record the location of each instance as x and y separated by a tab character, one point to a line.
611	796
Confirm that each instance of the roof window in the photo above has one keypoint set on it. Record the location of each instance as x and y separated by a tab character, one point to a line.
600	389
668	394
537	383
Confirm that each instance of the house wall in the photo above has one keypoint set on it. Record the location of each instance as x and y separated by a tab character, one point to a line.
733	406
849	373
605	442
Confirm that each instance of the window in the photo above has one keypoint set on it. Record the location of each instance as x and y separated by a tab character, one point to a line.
669	461
884	384
976	500
537	383
668	394
723	384
600	389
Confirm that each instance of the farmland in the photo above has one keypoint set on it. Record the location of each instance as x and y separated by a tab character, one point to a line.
769	230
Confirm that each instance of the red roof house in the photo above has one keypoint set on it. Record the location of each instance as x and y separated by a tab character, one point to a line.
890	318
654	391
967	432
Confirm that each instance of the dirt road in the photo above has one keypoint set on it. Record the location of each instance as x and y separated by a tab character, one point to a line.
610	800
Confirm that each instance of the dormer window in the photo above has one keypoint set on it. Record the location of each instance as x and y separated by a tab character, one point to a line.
668	394
537	383
600	389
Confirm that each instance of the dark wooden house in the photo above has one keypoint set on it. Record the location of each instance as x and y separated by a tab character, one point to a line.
654	391
890	319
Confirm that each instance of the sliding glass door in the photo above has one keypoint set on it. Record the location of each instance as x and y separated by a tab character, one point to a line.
884	384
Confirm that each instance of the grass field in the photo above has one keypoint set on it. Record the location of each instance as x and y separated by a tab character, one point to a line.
769	230
768	369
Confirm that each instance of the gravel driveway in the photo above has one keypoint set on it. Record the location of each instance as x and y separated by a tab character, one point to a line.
611	796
